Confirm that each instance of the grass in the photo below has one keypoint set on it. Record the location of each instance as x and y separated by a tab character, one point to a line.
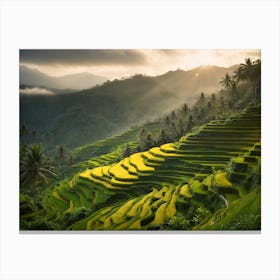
240	216
150	157
171	207
197	187
168	148
157	152
96	172
118	216
185	191
126	164
160	214
149	187
57	196
221	180
138	162
120	173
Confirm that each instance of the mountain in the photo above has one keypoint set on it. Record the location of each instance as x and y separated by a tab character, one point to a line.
41	90
78	118
33	77
189	83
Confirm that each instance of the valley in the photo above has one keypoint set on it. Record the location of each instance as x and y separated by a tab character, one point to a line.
160	160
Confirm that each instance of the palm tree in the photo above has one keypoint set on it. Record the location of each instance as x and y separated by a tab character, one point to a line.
173	115
227	81
247	68
162	138
249	71
256	74
35	167
62	157
126	151
202	99
185	109
143	135
190	122
173	133
239	74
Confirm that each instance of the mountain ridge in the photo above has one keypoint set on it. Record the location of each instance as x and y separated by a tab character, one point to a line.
79	81
101	111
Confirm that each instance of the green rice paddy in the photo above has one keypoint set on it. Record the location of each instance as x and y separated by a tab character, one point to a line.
147	188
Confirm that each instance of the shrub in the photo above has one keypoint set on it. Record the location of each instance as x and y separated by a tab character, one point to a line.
27	204
178	222
240	167
253	180
76	215
24	225
200	214
40	223
246	222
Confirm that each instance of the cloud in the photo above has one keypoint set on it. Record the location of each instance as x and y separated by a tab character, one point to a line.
169	52
254	53
82	57
237	52
117	63
36	90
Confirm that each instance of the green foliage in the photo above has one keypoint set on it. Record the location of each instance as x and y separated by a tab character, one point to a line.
75	119
106	146
244	214
130	182
140	192
178	222
62	157
27	204
128	150
250	71
38	223
76	215
227	82
200	215
162	138
34	166
246	221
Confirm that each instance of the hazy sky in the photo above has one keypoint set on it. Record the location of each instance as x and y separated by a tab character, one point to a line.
122	63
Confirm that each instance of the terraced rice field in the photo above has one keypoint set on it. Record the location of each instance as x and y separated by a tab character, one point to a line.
107	151
106	146
142	191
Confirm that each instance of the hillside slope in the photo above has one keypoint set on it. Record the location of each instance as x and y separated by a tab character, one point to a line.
214	168
113	107
33	77
203	78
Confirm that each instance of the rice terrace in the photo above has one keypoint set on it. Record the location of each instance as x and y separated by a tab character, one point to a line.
140	140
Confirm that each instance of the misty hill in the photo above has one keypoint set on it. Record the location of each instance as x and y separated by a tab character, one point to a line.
41	90
33	77
203	78
74	119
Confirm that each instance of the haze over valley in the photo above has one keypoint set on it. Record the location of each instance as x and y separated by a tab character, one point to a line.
140	140
107	109
33	77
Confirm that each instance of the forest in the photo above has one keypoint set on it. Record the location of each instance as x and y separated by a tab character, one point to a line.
92	160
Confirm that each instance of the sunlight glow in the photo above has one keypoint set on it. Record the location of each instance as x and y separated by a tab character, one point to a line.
156	62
